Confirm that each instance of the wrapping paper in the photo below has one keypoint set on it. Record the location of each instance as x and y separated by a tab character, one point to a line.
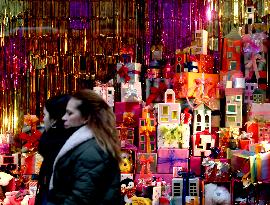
169	136
187	84
146	163
147	135
4	148
169	113
260	111
126	135
128	107
195	165
169	158
206	63
31	163
263	167
129	72
202	142
131	92
155	89
216	169
107	93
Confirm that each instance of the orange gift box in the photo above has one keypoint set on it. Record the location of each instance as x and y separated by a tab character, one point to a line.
187	84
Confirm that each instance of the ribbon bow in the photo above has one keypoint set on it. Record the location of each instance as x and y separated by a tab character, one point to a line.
123	73
128	119
131	94
156	92
145	166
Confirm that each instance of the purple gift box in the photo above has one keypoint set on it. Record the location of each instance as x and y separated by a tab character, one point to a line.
169	158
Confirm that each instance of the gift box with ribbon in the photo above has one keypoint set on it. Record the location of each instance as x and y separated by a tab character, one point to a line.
128	113
146	165
155	89
169	136
190	84
131	92
216	170
126	135
261	169
147	135
129	72
106	91
169	158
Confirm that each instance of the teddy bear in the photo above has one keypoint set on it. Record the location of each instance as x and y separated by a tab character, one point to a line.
215	195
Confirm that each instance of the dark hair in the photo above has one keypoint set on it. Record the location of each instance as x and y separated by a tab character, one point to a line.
56	106
101	120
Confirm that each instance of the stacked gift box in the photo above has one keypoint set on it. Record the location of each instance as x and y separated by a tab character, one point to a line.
195	134
178	132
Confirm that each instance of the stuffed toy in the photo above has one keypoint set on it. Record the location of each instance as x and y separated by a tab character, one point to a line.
215	195
127	190
6	183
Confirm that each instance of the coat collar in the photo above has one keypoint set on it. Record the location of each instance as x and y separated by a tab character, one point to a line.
81	135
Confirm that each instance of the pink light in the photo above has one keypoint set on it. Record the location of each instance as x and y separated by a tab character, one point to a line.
208	14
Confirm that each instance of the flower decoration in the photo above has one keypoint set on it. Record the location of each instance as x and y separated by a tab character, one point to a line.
31	139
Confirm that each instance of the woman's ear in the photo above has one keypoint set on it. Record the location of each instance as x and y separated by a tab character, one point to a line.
53	123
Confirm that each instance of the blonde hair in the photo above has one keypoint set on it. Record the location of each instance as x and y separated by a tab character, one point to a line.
101	120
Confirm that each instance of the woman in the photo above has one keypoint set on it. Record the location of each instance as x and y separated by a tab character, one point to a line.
51	141
86	170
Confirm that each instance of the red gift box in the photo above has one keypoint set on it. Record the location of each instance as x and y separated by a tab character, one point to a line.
128	107
195	165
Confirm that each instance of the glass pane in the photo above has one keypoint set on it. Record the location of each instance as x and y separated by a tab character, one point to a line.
174	115
165	110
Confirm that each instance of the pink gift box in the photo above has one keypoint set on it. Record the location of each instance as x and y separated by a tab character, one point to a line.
169	158
4	148
133	107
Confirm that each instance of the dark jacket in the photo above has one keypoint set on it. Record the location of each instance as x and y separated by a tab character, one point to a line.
84	173
49	146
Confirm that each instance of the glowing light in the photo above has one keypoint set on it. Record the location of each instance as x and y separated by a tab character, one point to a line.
208	14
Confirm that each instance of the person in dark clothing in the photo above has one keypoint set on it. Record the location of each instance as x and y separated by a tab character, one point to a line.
51	141
86	170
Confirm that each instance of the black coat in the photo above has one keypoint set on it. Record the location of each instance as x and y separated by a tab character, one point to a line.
49	146
84	173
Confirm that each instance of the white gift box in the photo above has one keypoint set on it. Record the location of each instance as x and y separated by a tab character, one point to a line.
133	71
131	92
107	93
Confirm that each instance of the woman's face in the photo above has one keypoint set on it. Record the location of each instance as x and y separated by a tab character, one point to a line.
73	117
47	121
